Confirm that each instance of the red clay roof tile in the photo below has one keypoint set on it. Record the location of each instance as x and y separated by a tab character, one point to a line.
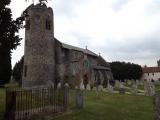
151	69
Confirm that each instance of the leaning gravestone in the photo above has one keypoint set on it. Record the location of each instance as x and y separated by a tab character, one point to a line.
79	98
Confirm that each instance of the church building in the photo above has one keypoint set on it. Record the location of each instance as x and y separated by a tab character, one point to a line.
47	61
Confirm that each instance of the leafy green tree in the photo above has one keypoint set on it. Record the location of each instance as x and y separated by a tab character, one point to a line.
122	70
17	71
9	40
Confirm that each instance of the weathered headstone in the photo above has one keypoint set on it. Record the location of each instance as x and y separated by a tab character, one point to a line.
149	88
110	88
66	94
134	89
100	87
76	87
117	83
82	86
121	88
129	82
79	98
137	82
121	85
59	85
88	87
94	88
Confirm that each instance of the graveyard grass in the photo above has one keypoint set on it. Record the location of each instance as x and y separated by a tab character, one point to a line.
2	102
105	106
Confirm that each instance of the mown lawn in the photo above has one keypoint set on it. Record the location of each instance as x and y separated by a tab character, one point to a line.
104	106
2	102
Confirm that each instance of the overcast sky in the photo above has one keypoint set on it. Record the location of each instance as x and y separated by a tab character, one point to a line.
121	30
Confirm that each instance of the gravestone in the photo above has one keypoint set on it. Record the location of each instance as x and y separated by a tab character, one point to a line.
117	83
129	82
110	88
137	82
82	86
76	87
100	87
59	85
66	95
94	88
79	98
149	88
121	85
121	88
88	87
134	89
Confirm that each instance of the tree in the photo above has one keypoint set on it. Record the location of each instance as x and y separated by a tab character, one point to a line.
122	70
9	40
17	71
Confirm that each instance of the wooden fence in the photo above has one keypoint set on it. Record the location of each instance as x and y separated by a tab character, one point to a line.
24	103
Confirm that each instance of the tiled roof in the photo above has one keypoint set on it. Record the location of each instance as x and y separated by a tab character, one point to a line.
86	51
151	69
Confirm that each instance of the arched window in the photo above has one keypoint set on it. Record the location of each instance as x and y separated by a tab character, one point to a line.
25	70
48	24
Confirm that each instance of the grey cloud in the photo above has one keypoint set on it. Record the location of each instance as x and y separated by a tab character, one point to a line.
142	48
66	7
153	8
82	38
118	4
145	49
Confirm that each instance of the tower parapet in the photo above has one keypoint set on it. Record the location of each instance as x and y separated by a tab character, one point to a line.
39	62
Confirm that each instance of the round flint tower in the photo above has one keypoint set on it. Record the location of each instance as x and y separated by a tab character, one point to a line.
39	62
